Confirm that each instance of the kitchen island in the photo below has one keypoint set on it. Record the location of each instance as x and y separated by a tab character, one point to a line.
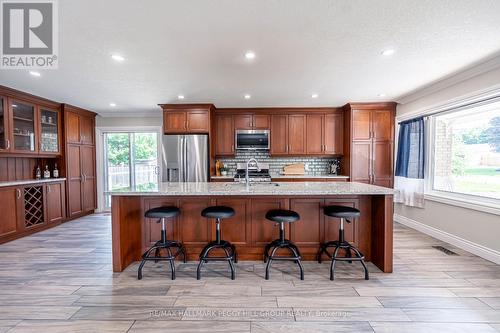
372	233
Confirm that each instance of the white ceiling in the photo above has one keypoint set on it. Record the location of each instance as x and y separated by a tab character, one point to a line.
196	48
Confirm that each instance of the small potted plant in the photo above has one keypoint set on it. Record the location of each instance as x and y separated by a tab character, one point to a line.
223	170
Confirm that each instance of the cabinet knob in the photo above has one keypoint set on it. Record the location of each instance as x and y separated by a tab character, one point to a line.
8	144
49	189
18	191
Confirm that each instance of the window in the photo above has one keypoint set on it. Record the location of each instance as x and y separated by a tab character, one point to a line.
466	151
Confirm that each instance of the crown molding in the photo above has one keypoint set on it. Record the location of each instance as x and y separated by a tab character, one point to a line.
130	114
484	66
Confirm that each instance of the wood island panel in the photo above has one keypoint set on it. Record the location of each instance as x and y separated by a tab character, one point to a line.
249	230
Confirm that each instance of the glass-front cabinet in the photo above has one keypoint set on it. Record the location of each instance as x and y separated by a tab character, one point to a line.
29	128
49	131
4	140
23	127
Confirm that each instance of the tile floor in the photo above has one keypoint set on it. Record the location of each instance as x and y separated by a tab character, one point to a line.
61	280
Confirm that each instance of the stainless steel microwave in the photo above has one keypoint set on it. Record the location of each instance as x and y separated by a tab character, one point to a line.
252	139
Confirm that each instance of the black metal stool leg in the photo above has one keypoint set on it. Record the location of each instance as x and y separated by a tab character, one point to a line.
359	255
332	266
172	265
231	264
296	253
320	253
269	260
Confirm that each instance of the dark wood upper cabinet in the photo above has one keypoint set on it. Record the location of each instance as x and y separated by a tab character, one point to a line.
296	134
333	134
314	138
370	138
361	124
79	127
279	134
251	121
186	118
174	122
243	121
50	131
224	135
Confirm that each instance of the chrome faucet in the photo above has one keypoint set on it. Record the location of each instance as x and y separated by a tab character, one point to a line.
247	178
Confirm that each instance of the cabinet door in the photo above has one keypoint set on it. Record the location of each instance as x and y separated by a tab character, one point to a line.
296	134
75	180
174	122
382	124
24	127
87	157
314	134
236	229
243	121
195	229
361	124
261	121
4	129
334	134
383	163
55	202
197	121
49	131
72	121
308	231
224	135
263	230
279	134
87	130
361	161
9	197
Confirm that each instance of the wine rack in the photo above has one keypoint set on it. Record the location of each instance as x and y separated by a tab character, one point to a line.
33	206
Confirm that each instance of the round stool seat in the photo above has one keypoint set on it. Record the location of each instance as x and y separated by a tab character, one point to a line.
218	212
162	212
282	215
341	212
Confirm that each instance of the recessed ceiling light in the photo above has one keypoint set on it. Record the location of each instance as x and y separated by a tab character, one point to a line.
314	96
180	96
247	96
381	95
35	73
387	52
112	105
250	55
118	57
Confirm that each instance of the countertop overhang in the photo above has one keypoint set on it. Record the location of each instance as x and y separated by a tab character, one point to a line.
269	189
30	182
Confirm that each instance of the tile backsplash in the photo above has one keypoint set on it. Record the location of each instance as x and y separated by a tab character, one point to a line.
314	165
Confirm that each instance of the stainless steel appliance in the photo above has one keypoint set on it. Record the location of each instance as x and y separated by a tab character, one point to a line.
256	173
185	158
252	139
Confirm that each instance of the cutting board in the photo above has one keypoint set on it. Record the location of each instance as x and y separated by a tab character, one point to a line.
294	169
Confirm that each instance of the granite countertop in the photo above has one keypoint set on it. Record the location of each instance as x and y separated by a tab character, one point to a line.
237	189
30	181
278	176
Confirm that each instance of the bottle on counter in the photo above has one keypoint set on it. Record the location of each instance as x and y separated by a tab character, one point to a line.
46	172
38	173
217	168
55	173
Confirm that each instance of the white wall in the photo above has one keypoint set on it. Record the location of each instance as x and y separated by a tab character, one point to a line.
478	230
128	121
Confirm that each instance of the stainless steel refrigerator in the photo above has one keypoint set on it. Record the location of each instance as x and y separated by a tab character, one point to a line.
185	158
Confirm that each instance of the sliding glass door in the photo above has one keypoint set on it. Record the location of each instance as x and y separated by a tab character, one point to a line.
130	160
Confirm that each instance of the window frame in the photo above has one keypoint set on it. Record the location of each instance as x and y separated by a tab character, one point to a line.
470	201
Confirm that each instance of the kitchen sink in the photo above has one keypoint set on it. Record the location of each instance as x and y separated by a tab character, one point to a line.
252	184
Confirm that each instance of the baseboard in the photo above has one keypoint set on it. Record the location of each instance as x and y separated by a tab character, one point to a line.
474	248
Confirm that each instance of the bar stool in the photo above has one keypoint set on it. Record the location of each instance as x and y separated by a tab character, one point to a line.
343	213
281	217
163	213
218	213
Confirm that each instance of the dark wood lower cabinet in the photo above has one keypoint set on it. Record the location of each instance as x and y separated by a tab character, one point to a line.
55	202
10	204
30	208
